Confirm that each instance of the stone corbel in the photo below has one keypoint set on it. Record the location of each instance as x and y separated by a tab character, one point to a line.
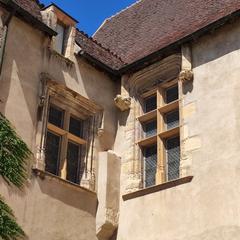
123	103
43	93
100	132
186	76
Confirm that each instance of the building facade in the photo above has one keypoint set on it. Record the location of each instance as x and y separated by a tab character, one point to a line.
134	131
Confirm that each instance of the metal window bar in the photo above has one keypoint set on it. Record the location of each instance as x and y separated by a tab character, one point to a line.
172	94
172	119
150	166
150	128
173	158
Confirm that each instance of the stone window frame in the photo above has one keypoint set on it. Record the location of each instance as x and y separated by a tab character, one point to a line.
162	134
59	95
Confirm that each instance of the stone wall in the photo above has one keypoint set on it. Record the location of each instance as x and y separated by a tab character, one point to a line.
207	207
50	208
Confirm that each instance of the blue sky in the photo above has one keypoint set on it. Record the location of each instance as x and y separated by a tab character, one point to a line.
90	13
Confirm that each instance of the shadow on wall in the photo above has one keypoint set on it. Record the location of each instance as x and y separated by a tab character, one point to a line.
213	46
67	194
100	88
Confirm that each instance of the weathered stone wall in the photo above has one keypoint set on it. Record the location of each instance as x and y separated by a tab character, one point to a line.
49	208
207	207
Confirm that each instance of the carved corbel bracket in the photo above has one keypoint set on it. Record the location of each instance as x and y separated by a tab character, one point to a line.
186	76
100	132
123	103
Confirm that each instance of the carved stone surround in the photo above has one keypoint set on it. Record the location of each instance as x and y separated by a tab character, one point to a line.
85	108
133	86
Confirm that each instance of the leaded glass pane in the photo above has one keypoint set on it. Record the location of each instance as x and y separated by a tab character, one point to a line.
150	103
150	158
55	116
52	153
173	158
171	94
172	119
76	127
150	128
73	157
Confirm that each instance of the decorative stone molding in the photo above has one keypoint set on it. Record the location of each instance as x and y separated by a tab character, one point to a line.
123	103
100	132
186	76
49	17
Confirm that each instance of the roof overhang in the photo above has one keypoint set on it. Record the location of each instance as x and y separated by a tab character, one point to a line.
96	63
27	17
71	19
176	46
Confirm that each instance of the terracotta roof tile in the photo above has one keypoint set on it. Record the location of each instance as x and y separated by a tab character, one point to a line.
150	25
95	50
31	6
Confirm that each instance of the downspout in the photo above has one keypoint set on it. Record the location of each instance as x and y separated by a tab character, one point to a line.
4	37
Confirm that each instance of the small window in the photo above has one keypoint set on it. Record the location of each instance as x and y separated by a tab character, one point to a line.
150	160
73	162
59	39
150	128
173	158
76	126
172	119
52	153
56	116
150	103
171	94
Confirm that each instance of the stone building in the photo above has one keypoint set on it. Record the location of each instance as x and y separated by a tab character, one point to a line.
134	131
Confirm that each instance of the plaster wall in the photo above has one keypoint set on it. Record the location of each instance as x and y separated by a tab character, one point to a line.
208	207
49	208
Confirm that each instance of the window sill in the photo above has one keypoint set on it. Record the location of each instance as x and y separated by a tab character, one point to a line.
62	57
45	175
157	188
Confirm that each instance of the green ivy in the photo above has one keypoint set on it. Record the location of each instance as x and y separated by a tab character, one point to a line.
9	229
14	154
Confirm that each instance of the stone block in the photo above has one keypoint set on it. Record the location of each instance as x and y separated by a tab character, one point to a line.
189	110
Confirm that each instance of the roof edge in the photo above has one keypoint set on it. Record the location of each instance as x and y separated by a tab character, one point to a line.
55	5
98	63
28	17
114	15
141	63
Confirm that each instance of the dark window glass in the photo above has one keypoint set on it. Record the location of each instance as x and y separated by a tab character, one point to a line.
52	153
171	94
150	128
76	127
173	158
56	116
172	119
150	103
150	158
73	156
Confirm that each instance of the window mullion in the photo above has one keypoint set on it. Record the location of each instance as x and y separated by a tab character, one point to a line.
63	156
160	173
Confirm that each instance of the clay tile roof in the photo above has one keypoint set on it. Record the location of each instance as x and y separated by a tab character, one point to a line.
96	51
150	25
31	6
